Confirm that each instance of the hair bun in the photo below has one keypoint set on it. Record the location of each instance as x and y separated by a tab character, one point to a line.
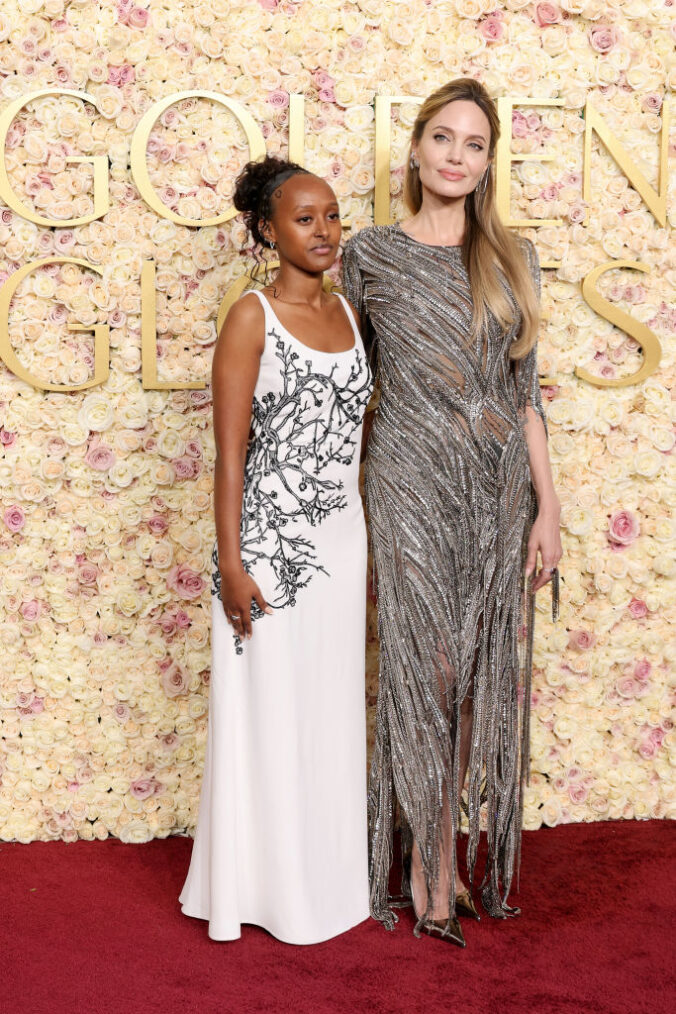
250	187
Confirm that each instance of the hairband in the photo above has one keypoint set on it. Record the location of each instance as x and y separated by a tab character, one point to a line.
276	181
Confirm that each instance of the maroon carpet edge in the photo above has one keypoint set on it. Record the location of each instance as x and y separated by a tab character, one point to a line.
95	927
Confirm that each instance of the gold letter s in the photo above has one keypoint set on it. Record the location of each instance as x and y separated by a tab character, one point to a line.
652	350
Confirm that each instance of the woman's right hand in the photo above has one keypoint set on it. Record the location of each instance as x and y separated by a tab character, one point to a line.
238	590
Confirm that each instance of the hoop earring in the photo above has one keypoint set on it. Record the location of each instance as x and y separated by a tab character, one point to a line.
271	244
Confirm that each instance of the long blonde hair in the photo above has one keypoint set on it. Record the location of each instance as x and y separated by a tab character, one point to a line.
491	253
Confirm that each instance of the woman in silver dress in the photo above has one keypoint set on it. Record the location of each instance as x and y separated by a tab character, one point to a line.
461	504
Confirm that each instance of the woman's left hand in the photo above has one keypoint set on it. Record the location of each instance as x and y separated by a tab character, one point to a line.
545	539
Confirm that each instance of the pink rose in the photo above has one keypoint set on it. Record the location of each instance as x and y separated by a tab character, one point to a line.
185	582
122	712
578	793
6	437
182	619
138	17
144	788
546	14
14	518
278	99
647	749
87	573
652	103
168	624
100	458
201	399
174	681
602	38
193	449
170	741
577	212
627	687
581	640
638	609
157	524
519	124
269	5
30	610
492	29
656	736
623	528
186	468
642	670
64	240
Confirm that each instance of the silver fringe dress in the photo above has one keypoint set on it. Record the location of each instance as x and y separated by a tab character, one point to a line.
450	504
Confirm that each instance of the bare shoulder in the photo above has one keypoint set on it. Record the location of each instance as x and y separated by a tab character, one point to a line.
244	324
246	311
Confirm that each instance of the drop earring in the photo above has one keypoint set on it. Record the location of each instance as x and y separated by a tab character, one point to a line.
413	161
483	182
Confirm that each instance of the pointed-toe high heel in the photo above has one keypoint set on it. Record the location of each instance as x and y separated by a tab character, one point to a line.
464	905
450	930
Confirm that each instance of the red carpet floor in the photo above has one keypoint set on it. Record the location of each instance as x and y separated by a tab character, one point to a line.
94	928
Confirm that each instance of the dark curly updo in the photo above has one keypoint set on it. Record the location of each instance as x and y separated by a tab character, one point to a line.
254	190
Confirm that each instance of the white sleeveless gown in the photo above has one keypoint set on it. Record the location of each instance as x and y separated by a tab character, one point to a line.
281	839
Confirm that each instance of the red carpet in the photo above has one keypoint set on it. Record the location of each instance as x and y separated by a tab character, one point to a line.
94	928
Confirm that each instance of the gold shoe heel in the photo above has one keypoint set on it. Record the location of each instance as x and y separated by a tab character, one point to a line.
465	906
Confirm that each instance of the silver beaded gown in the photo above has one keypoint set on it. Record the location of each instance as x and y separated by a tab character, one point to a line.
450	505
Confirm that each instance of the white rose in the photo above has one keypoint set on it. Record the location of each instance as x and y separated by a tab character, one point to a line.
96	413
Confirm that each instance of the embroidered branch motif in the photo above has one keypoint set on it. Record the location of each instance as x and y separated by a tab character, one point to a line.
301	436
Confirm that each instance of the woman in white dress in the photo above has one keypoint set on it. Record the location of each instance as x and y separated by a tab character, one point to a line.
281	839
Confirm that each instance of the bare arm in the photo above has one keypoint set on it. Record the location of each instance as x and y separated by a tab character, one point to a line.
545	536
234	374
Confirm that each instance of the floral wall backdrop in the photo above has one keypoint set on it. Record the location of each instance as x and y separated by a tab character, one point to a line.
105	523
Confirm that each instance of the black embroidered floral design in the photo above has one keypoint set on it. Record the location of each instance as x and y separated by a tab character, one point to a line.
298	434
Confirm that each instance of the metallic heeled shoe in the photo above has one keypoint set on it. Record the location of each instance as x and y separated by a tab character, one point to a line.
465	906
449	931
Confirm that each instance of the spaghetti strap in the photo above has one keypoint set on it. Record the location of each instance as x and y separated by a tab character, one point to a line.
350	317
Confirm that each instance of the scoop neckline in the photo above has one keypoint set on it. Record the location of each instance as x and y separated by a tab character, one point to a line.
309	348
432	246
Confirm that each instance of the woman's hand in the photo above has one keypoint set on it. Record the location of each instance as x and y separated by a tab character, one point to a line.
238	590
545	539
